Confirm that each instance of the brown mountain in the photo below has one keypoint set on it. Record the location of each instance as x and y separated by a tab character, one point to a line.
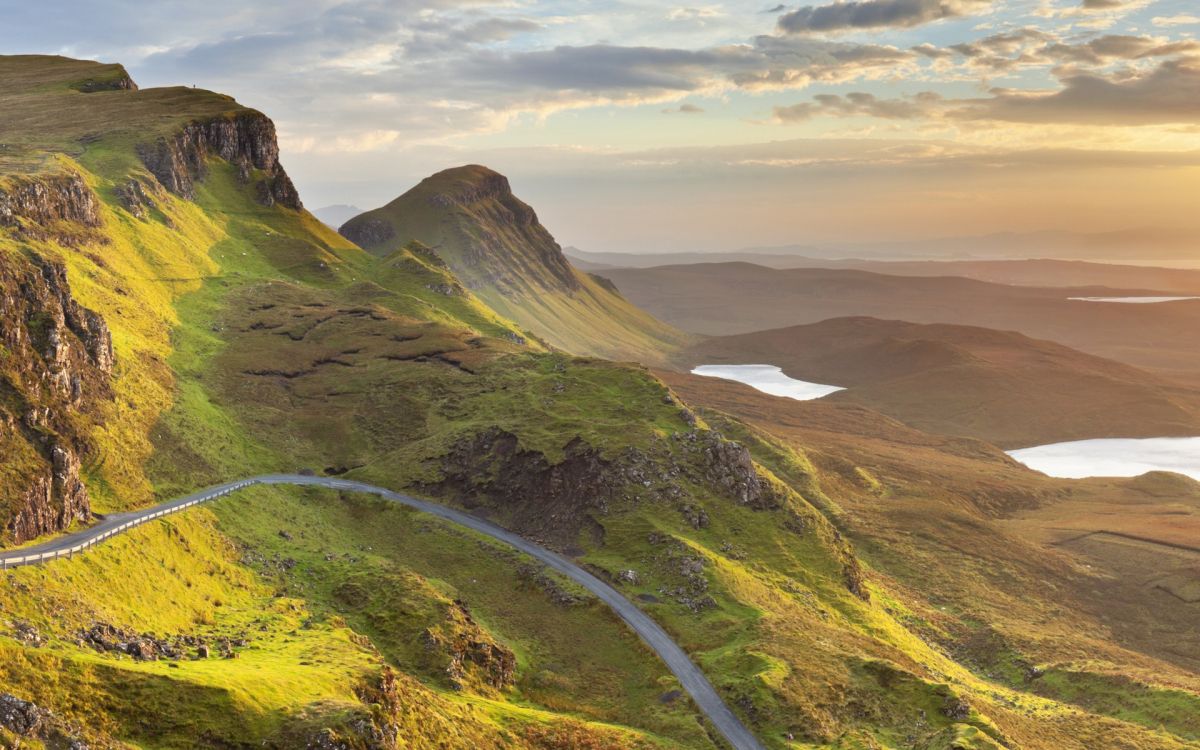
998	386
728	298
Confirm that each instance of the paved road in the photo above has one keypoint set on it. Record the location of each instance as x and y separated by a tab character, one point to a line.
689	675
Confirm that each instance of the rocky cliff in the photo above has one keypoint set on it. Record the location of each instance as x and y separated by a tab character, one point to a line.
245	139
57	357
34	206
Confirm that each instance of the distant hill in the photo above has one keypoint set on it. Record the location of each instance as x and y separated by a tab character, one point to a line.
336	215
495	244
1124	245
1024	272
999	386
728	298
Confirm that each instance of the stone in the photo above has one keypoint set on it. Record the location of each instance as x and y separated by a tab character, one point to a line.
21	717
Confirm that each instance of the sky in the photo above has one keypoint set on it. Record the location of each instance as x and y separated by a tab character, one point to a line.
638	126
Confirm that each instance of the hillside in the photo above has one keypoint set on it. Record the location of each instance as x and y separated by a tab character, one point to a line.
729	298
1049	585
469	217
998	386
246	337
1045	272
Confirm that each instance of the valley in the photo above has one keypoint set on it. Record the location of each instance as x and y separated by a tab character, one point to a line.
482	500
1162	337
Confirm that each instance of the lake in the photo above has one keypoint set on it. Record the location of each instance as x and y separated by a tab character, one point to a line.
768	379
1114	457
1131	300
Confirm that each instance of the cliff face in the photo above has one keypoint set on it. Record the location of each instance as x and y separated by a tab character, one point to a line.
58	357
246	139
33	205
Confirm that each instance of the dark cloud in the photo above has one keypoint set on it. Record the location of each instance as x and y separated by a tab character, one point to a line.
1102	4
621	72
1111	47
1170	93
872	14
684	109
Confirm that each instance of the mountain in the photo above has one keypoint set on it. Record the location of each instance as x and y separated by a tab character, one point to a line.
1024	272
173	318
469	217
999	386
1151	243
728	298
336	215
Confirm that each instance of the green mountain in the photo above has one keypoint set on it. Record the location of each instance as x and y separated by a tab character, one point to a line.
173	318
494	243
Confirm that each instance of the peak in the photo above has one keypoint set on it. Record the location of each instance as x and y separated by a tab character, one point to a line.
468	172
467	184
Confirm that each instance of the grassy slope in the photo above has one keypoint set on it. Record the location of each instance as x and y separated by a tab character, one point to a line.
953	528
794	650
517	268
159	282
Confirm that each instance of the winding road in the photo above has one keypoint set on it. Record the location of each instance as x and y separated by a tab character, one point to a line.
676	659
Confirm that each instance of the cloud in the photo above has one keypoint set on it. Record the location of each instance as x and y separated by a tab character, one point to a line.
874	14
1117	47
1034	48
695	15
634	75
1179	20
859	104
684	109
498	29
1170	93
1102	4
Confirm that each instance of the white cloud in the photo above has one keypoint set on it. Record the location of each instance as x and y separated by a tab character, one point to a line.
1180	20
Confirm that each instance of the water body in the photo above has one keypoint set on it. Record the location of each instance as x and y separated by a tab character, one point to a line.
1131	300
1115	457
768	379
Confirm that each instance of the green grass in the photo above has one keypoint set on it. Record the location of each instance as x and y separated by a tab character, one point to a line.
255	339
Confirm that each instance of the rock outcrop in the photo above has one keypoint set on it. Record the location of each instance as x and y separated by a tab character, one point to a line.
33	205
28	721
112	78
56	369
470	652
245	139
554	502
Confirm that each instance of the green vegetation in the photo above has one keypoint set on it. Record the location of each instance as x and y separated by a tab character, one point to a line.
251	338
469	221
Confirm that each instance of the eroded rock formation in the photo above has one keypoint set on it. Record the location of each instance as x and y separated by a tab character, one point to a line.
246	139
58	357
33	204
